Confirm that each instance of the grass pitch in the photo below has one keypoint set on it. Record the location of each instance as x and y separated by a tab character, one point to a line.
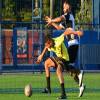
12	87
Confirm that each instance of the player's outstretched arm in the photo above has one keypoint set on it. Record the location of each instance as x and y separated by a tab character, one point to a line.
67	32
58	19
50	21
39	59
57	26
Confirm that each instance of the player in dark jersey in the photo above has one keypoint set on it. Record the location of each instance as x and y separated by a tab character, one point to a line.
67	22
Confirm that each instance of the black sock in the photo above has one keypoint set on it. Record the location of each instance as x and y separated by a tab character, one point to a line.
76	79
48	83
62	88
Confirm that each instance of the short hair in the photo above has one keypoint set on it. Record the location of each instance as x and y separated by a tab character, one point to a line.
47	38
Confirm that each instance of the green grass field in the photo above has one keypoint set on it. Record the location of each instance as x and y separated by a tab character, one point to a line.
12	87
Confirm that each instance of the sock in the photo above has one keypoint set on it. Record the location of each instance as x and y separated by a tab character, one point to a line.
76	79
74	72
62	88
48	82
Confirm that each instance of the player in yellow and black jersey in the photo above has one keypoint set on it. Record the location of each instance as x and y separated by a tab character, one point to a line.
60	62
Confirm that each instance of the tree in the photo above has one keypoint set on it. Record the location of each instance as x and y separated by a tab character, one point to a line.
46	9
85	14
13	13
8	13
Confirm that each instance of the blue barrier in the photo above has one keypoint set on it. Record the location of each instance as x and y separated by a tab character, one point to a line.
90	37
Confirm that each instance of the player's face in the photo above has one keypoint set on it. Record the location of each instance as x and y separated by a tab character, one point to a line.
65	7
49	44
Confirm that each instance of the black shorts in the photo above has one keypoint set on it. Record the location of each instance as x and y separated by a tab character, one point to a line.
65	64
59	60
72	51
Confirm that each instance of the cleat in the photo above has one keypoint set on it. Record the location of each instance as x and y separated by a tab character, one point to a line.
80	76
82	88
63	96
46	91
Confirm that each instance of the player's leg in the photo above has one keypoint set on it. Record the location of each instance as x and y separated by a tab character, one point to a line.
59	64
61	80
82	89
78	76
73	72
48	64
75	77
72	51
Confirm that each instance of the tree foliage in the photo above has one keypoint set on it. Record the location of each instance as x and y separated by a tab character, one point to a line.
11	12
46	9
84	15
8	13
8	10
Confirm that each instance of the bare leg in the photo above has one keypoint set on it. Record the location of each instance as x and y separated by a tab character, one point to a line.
59	73
61	79
48	63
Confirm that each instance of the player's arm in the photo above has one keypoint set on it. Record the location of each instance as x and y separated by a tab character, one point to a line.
67	32
58	19
57	26
41	56
50	21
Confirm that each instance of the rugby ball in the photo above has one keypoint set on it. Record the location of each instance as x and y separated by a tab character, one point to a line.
28	90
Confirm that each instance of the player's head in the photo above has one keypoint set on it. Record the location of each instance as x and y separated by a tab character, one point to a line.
48	41
66	6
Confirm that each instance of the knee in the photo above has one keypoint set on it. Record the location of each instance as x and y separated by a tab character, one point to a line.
49	63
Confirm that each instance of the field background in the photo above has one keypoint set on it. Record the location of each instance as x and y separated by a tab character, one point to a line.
12	87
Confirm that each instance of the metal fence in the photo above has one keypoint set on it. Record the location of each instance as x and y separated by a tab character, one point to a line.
28	14
89	54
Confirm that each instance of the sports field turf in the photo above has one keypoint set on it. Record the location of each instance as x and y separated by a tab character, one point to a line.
12	87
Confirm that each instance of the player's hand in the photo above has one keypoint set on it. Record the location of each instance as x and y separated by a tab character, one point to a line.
39	59
79	33
48	19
